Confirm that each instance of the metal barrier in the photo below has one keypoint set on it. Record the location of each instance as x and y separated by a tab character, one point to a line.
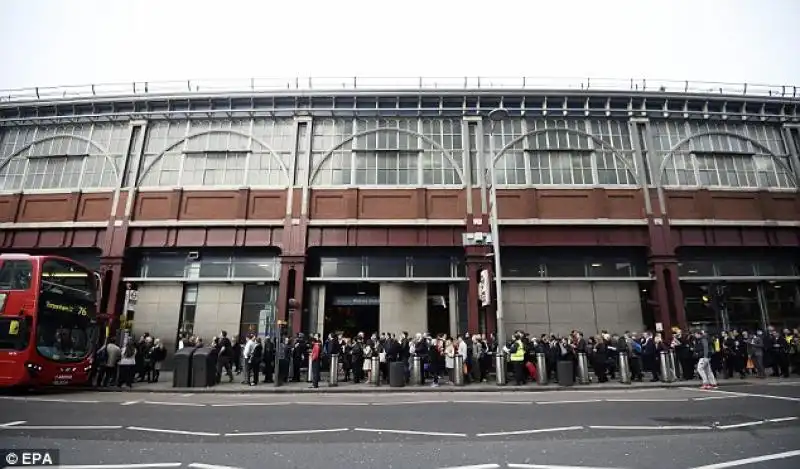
500	368
541	368
310	374
458	370
333	373
416	371
375	376
624	369
673	366
583	369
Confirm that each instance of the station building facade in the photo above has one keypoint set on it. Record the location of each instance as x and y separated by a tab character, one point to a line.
360	208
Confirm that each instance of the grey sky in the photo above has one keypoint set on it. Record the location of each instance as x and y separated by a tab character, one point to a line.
51	42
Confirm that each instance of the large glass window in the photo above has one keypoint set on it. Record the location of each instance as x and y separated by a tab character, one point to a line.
164	266
565	268
188	310
783	303
65	324
386	267
258	310
63	157
721	154
16	274
342	267
432	267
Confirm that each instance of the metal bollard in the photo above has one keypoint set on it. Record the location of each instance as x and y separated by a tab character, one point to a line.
310	373
333	373
500	368
416	371
624	369
673	367
458	370
541	369
663	366
583	369
375	376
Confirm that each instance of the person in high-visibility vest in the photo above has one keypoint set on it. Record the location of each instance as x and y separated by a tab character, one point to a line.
517	358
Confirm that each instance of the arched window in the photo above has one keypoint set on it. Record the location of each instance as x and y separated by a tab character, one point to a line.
83	156
721	154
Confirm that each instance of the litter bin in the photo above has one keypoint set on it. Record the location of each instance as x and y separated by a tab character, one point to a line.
566	376
182	374
204	368
397	374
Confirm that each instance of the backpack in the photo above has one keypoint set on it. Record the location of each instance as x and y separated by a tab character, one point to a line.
637	347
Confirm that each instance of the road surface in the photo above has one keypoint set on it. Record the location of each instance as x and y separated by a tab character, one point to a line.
752	426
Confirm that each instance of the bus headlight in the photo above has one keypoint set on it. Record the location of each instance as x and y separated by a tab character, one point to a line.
33	367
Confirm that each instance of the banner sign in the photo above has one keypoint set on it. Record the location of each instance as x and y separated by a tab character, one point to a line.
484	288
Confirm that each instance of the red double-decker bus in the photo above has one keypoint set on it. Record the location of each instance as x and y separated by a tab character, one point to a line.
48	321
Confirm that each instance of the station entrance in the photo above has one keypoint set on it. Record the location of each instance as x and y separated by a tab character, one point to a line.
351	308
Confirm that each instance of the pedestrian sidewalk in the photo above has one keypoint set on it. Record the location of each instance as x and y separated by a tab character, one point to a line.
165	386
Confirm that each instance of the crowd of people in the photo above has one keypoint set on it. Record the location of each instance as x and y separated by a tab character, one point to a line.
697	355
137	360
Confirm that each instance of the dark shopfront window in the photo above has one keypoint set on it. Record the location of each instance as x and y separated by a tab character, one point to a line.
742	307
783	304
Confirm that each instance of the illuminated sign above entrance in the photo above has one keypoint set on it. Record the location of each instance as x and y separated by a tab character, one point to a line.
360	300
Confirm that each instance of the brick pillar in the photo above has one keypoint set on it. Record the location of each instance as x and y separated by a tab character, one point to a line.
664	266
477	261
111	266
288	290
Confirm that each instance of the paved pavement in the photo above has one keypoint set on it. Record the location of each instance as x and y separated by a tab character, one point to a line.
681	428
165	386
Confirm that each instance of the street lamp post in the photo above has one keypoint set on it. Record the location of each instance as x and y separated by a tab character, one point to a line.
495	116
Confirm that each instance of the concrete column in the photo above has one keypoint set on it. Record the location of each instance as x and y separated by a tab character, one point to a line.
453	308
403	307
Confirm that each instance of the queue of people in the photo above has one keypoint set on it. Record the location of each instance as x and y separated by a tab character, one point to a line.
698	355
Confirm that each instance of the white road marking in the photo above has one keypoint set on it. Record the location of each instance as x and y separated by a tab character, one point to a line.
14	423
713	398
649	427
406	403
197	465
187	395
130	402
333	403
790	383
49	399
753	460
492	402
747	394
290	432
476	466
647	400
62	427
174	432
177	404
530	432
740	425
782	419
408	432
250	404
114	466
551	466
568	402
